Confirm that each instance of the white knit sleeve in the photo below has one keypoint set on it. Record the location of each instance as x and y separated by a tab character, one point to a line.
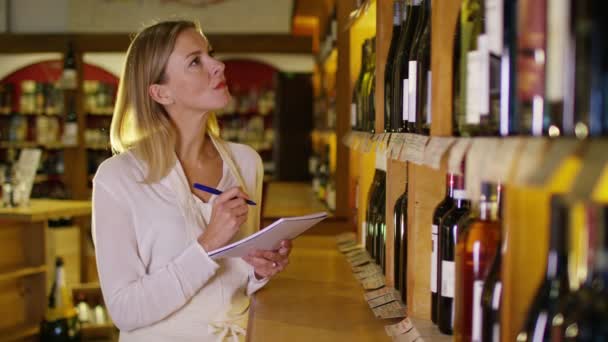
134	297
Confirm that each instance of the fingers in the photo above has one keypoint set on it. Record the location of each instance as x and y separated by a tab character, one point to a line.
266	267
230	194
269	255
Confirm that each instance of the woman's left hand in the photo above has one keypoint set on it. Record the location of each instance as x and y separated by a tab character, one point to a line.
267	264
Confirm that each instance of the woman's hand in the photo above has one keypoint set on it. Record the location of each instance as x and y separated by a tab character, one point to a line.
267	264
228	214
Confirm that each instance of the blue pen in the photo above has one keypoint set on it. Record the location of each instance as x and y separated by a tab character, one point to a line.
215	191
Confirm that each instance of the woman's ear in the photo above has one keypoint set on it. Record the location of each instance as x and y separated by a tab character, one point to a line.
161	94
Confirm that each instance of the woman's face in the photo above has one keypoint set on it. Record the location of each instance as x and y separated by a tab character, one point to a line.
194	79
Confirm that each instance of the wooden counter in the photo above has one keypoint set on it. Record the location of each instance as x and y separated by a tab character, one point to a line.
315	299
290	199
24	265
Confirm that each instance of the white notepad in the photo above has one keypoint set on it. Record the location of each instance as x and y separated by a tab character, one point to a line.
269	238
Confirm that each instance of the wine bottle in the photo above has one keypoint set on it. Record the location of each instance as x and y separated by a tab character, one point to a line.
401	67
388	71
364	97
447	241
423	101
494	30
598	121
61	319
371	88
400	242
491	300
371	198
531	52
537	326
478	245
473	69
380	223
356	110
69	76
508	80
442	208
413	68
557	119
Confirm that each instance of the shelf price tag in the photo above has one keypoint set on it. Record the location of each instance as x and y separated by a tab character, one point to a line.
387	298
390	310
367	143
374	282
530	159
414	148
347	140
457	154
400	328
345	248
435	150
593	166
500	165
346	237
396	145
370	272
379	293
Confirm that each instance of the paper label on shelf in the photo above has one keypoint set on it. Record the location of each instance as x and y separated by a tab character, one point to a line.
530	158
593	166
387	298
494	25
397	144
400	328
406	98
373	282
435	150
414	148
357	254
346	237
477	311
379	293
390	310
500	165
353	114
412	89
347	140
457	154
363	256
483	97
348	246
473	88
481	153
447	279
364	268
434	246
366	143
558	151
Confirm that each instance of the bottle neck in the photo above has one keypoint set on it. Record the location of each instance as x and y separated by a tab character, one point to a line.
557	259
488	211
449	186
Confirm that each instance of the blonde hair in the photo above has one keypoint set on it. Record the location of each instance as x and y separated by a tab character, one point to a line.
139	123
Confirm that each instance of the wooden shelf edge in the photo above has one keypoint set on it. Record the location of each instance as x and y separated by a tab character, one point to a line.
19	332
429	331
22	272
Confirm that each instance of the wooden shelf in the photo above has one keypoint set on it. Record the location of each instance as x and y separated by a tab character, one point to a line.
44	209
99	147
21	272
97	328
108	114
20	332
33	144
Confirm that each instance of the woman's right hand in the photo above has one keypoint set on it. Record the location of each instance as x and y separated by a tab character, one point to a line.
228	214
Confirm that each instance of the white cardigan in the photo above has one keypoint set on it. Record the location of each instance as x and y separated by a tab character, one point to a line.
158	283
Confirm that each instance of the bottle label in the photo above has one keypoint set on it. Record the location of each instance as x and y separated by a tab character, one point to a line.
416	2
397	13
557	47
496	295
434	235
473	88
494	25
477	312
459	194
406	97
429	112
412	90
353	114
447	279
484	75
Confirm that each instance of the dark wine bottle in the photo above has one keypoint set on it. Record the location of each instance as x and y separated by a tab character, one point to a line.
423	101
447	249
400	243
356	109
363	105
380	224
508	82
61	322
531	67
371	88
478	245
401	67
413	69
537	326
398	14
442	208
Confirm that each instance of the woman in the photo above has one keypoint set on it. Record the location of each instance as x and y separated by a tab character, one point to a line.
152	229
